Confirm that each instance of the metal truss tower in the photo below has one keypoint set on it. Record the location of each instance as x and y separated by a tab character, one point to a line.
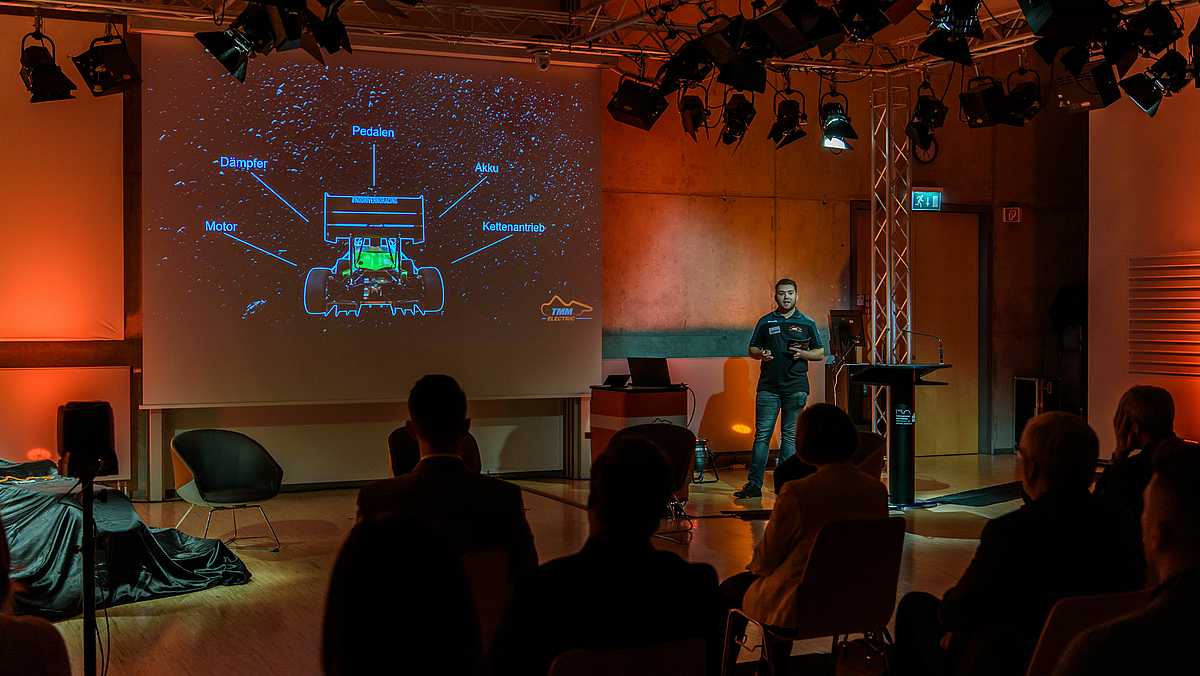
891	216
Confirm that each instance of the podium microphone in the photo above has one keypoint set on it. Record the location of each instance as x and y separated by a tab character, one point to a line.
941	357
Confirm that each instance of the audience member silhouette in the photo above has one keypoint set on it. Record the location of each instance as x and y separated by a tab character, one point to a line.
1157	639
474	512
1145	418
623	592
399	603
404	452
29	646
1065	542
836	491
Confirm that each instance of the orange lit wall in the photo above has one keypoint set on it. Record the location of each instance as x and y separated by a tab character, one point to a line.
29	401
60	201
1144	200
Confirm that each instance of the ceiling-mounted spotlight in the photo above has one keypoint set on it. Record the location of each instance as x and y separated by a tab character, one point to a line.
864	18
43	78
1169	75
329	31
249	34
1154	29
689	65
985	104
1094	88
107	68
694	114
790	119
1071	21
835	121
953	22
1024	99
929	113
637	103
795	26
739	113
738	50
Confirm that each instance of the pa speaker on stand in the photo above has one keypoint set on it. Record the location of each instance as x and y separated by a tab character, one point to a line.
86	449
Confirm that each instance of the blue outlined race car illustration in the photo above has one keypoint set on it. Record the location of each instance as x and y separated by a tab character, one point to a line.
374	271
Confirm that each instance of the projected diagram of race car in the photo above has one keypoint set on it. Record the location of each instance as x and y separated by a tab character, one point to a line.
374	271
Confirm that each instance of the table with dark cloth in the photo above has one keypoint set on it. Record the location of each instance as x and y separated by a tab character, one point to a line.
43	519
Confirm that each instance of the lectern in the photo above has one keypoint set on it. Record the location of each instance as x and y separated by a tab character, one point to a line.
902	380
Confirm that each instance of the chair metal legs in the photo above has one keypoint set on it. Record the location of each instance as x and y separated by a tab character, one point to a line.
678	516
185	515
230	541
735	640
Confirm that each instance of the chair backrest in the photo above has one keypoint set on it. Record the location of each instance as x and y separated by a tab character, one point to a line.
849	584
678	658
405	452
223	460
871	453
1074	615
679	443
491	588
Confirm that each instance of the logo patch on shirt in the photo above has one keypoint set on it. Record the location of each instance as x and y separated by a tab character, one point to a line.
772	330
797	329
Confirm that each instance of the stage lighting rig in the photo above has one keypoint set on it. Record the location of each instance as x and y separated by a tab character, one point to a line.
864	18
275	25
637	103
953	22
835	121
738	114
42	76
1154	29
694	114
249	34
929	113
1169	75
107	68
1095	87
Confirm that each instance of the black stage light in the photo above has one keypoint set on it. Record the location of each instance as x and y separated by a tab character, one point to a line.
929	113
835	122
722	39
694	114
795	26
953	21
1154	28
864	18
984	103
1094	88
1169	75
1119	50
250	34
329	31
945	46
790	119
1070	20
107	68
739	113
689	65
43	78
1024	99
637	103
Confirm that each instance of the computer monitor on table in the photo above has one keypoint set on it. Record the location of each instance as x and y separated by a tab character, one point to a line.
846	341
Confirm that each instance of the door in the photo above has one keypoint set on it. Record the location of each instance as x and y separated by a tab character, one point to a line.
944	299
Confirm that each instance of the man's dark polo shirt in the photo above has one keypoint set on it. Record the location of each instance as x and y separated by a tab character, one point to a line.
774	332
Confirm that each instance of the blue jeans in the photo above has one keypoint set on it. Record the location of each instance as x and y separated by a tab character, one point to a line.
767	409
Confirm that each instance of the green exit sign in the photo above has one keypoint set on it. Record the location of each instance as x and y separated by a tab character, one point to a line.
926	200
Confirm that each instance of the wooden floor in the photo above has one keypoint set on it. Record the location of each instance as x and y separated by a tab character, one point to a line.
273	624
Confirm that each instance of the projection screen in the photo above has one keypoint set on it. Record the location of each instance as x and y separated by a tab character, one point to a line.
332	233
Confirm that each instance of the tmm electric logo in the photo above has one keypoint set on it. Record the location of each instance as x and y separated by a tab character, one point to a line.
558	310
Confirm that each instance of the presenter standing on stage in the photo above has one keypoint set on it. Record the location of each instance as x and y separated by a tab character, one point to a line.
784	341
